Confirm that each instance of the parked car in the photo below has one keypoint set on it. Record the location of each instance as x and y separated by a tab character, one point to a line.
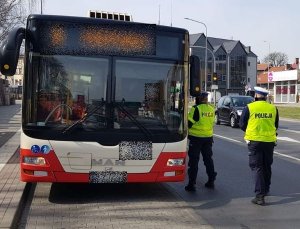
250	93
230	107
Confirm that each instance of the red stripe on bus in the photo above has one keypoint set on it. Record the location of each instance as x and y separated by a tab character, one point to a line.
56	172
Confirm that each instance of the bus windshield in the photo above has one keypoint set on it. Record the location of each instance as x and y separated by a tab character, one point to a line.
125	94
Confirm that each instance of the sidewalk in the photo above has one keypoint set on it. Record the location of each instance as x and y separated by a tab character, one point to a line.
11	188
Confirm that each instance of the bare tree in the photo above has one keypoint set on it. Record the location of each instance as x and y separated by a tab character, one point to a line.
13	13
9	17
276	59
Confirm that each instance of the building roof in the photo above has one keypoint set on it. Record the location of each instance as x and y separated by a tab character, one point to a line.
217	47
277	69
229	45
252	54
249	51
262	67
216	43
195	37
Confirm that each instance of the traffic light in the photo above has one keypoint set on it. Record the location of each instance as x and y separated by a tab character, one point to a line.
215	78
195	83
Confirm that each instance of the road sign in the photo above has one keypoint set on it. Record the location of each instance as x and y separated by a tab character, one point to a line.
214	87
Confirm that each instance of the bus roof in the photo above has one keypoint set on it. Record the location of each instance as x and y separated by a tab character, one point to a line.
75	19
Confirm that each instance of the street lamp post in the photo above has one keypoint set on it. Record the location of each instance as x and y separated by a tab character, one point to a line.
268	64
205	69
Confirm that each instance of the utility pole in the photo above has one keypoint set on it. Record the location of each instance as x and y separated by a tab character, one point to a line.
159	14
268	64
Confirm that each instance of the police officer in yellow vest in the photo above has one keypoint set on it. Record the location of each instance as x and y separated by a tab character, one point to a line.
200	122
260	121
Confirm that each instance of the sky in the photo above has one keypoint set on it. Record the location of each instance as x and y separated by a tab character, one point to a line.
265	25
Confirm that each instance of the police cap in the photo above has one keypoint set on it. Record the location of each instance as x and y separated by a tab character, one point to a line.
261	91
203	94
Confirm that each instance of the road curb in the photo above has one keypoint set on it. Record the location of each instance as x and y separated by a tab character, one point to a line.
27	193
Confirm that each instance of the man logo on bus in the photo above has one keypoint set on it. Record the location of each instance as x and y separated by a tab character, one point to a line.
108	162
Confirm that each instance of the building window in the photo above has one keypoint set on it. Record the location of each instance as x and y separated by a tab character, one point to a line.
238	71
248	63
209	78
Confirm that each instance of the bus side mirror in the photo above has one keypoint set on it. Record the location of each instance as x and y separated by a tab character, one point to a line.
195	82
9	51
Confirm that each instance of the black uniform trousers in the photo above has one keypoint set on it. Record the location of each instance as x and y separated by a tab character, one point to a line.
260	161
203	145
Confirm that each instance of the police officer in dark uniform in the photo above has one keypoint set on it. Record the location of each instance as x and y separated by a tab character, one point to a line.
260	121
200	122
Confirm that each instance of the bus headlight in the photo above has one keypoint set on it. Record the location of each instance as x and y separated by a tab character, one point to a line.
34	160
175	162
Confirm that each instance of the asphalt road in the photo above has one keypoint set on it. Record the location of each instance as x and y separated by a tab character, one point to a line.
228	206
168	205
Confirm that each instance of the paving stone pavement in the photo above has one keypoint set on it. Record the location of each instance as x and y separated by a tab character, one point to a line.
11	188
162	210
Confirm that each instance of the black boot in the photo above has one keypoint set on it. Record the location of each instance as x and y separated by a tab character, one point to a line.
190	187
211	182
259	200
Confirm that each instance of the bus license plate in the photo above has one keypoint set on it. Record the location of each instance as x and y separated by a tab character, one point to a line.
107	177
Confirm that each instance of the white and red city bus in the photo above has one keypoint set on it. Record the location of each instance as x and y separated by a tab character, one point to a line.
104	101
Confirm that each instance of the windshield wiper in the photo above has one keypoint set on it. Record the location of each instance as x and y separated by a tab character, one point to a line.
135	121
86	115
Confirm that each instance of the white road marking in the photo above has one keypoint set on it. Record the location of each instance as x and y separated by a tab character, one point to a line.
229	139
287	139
279	154
287	156
293	131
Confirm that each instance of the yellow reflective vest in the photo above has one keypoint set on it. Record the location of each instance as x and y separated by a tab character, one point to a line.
203	127
261	124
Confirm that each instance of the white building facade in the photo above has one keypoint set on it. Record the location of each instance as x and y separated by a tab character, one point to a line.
286	86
